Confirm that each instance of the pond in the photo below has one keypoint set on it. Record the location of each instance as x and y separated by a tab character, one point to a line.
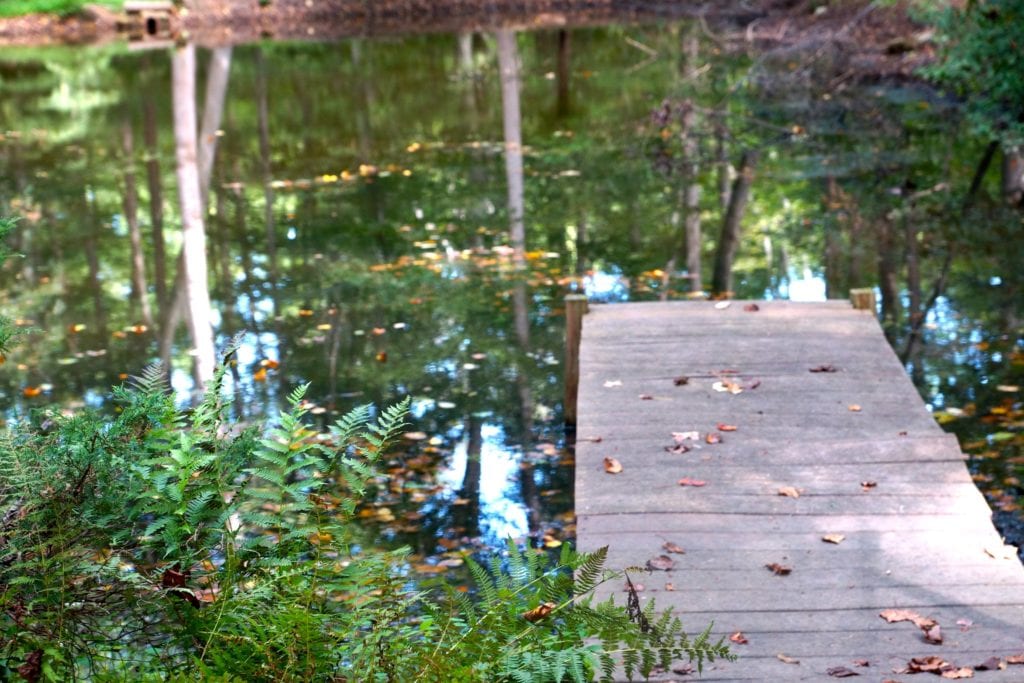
361	228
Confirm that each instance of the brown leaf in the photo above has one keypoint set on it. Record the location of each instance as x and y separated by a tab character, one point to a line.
932	633
670	586
612	466
824	368
754	385
868	485
681	380
727	385
751	308
687	481
787	660
962	672
539	612
1015	659
671	547
964	624
739	638
894	615
779	569
646	397
713	438
841	672
661	563
593	439
833	538
861	662
932	665
680	437
722	427
789	492
683	669
678	449
853	408
991	664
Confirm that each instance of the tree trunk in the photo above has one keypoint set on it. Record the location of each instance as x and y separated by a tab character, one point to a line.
156	200
887	280
692	177
213	110
508	63
465	40
723	167
197	292
263	122
562	74
468	516
729	239
1013	176
131	218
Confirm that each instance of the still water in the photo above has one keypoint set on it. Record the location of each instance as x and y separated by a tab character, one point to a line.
361	219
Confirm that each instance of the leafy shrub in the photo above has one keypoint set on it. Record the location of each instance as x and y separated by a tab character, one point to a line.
162	545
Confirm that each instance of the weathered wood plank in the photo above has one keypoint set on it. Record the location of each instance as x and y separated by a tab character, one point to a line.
921	538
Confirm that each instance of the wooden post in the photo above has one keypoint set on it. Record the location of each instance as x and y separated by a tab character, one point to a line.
863	299
575	308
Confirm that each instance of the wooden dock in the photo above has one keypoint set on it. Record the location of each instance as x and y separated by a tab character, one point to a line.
822	408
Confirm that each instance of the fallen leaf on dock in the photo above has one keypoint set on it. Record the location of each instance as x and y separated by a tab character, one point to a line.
687	481
661	563
787	660
593	439
613	383
713	438
612	466
964	624
681	380
678	448
868	485
929	627
991	664
779	569
685	436
722	427
670	586
739	638
683	669
841	672
833	538
751	308
789	492
861	662
671	547
1015	659
853	408
726	385
824	368
646	397
722	305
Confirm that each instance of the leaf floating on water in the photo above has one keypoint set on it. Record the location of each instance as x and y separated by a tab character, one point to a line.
687	481
787	660
824	368
661	563
779	569
539	612
835	539
841	672
789	492
739	638
671	547
612	466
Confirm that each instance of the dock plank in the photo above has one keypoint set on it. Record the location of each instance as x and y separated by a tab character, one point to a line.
921	538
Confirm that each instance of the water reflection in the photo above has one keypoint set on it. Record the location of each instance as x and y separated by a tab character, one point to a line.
414	231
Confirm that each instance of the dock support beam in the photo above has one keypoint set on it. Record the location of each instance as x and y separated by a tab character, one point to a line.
575	308
863	299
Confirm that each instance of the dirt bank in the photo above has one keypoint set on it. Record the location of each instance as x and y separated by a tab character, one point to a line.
873	41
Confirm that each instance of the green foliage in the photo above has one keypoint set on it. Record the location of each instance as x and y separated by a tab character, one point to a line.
982	57
162	544
14	8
